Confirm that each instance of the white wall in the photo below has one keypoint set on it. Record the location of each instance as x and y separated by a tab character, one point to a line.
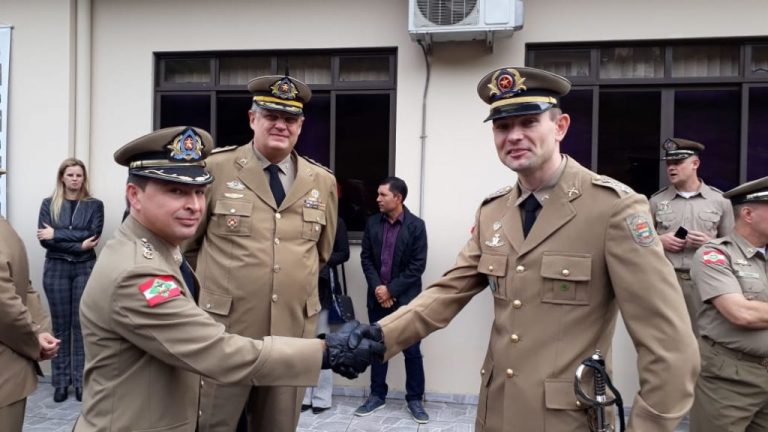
461	165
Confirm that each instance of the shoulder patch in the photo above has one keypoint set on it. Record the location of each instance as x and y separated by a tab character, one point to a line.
501	192
659	191
641	228
712	257
223	149
316	163
159	290
616	185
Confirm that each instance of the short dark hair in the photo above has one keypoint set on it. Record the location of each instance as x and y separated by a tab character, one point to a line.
140	181
396	186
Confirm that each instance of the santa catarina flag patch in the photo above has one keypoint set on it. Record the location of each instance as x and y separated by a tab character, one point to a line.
159	290
713	257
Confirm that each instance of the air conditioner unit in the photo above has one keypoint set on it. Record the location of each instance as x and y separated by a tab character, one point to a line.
462	20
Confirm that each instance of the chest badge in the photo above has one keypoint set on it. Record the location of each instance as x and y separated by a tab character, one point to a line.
233	195
233	222
495	241
496	225
236	185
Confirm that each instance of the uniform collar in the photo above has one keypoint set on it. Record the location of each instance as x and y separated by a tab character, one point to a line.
285	164
543	192
704	191
162	247
747	248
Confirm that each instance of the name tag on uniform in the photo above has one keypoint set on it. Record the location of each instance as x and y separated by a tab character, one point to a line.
747	275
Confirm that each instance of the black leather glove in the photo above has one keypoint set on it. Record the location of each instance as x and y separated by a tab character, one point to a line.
365	331
350	360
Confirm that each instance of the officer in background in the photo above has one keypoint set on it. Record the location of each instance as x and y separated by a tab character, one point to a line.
729	274
267	230
25	336
687	213
562	252
146	341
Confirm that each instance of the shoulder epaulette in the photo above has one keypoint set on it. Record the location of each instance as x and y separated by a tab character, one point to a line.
718	241
716	189
313	162
223	149
616	185
501	192
660	191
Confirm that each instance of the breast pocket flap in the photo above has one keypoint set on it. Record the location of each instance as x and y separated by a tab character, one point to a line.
215	303
574	267
314	215
495	265
235	208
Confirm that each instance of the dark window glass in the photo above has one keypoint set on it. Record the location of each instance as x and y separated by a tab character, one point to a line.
712	118
187	71
759	64
315	139
629	138
568	63
631	62
757	136
697	61
369	68
578	141
362	153
185	110
232	127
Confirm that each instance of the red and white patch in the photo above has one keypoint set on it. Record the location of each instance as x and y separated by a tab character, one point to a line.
159	289
713	257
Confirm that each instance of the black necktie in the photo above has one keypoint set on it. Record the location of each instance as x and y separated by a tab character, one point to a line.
275	184
530	206
189	278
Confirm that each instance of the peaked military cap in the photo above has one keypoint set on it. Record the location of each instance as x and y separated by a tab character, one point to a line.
175	154
679	148
754	191
514	91
281	93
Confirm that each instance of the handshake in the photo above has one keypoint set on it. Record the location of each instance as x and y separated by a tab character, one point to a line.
350	350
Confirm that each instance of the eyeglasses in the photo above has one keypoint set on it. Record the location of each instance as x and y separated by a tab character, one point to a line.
274	117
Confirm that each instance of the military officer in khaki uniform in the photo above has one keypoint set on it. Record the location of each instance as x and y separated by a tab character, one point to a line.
25	336
146	342
729	274
561	252
687	213
269	227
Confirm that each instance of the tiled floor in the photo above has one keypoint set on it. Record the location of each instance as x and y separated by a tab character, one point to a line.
44	415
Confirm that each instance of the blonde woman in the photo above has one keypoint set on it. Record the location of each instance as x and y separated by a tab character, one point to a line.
69	227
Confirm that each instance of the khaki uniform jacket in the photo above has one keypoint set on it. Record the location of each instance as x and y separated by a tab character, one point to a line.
706	212
22	318
259	264
730	265
142	362
591	253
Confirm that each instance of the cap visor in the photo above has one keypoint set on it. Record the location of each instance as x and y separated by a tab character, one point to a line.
193	175
518	110
279	107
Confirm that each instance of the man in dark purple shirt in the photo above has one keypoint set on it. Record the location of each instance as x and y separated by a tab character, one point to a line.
394	256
